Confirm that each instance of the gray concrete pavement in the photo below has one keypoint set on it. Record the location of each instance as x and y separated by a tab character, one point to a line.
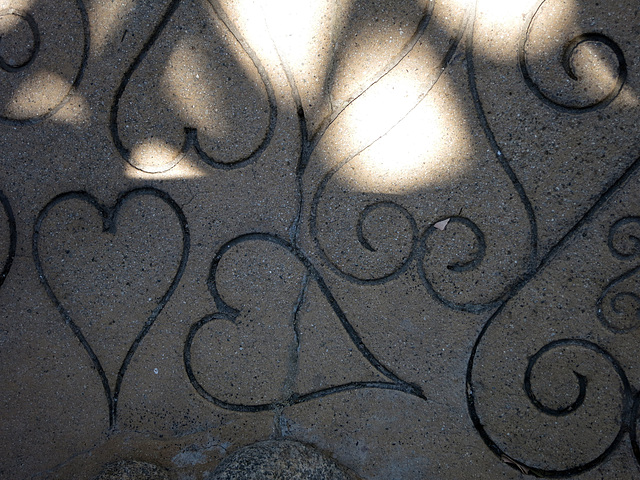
403	233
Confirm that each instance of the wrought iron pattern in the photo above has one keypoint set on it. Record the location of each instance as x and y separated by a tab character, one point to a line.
480	279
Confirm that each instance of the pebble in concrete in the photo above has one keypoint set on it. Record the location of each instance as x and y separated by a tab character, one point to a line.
281	460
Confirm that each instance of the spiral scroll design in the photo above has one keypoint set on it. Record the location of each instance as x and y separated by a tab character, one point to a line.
8	65
568	53
476	255
618	307
370	248
574	407
582	384
624	305
622	242
46	51
375	257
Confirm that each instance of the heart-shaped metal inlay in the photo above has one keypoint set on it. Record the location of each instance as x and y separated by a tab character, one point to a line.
256	369
95	281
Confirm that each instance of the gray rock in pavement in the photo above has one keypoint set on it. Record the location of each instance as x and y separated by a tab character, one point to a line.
281	460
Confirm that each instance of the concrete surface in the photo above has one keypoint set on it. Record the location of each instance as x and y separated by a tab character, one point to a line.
132	470
403	232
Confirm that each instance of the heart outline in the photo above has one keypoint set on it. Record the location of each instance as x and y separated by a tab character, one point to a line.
229	313
190	133
109	215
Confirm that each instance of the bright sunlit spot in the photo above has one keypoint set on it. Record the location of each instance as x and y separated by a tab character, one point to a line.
501	24
399	151
251	18
107	20
37	94
75	111
629	98
300	30
426	148
154	156
22	5
158	160
192	87
379	109
505	13
298	24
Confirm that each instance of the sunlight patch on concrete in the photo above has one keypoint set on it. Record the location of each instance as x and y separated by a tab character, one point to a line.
378	110
299	28
507	14
107	20
290	32
250	18
367	43
152	156
597	64
425	148
161	162
505	21
23	5
629	98
447	15
191	87
36	95
74	112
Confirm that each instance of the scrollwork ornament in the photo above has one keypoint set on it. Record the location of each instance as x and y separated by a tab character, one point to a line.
370	249
624	305
569	50
401	251
475	257
582	383
618	307
561	411
624	244
43	48
14	66
191	139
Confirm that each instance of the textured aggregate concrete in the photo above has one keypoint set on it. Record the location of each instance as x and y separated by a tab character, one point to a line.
405	233
132	470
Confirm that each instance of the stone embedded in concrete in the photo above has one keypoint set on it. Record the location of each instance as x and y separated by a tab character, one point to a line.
279	460
133	470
